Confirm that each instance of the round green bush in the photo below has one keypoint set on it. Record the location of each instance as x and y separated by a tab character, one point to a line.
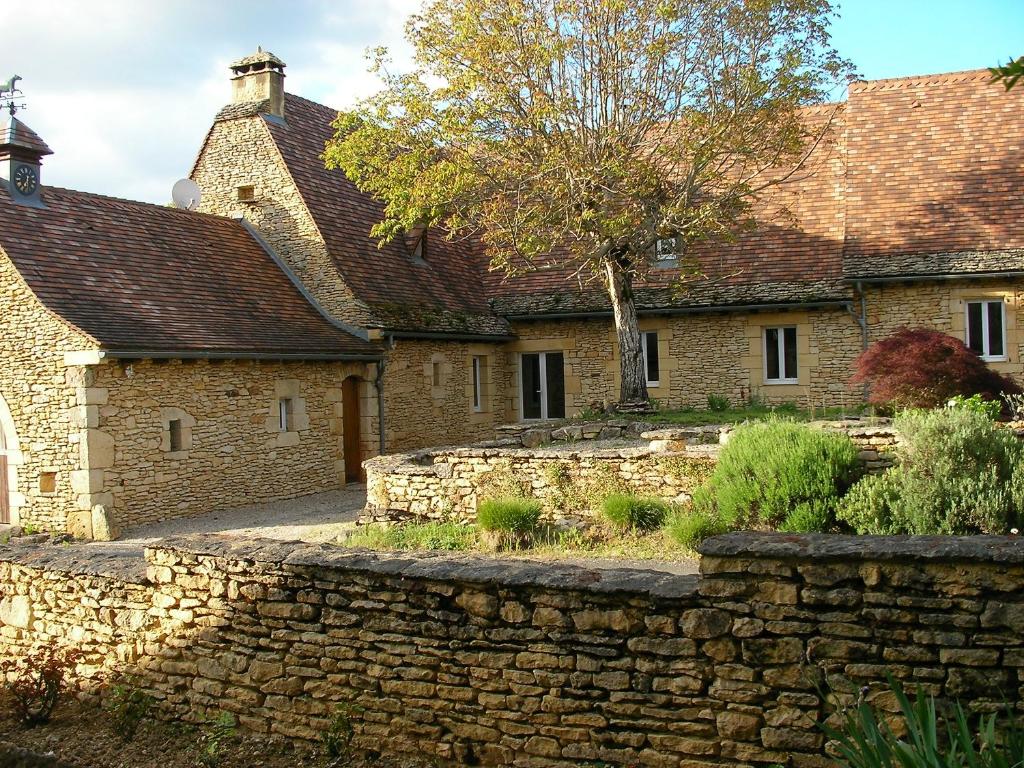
634	513
773	475
509	514
957	473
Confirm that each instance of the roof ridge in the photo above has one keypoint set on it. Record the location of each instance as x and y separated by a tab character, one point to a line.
938	78
109	199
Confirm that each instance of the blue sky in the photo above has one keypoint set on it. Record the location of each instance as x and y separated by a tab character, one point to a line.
124	90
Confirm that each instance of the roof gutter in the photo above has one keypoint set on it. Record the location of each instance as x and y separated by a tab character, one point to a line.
941	276
838	304
194	354
448	336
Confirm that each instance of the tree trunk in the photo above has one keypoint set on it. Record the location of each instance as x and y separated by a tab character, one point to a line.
631	359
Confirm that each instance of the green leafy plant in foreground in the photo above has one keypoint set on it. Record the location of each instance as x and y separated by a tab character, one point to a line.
128	706
865	740
35	682
634	513
451	537
214	736
337	737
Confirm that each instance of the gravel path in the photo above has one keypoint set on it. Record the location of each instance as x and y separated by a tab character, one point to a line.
316	518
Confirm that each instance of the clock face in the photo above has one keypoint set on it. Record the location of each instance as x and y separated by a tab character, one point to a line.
25	179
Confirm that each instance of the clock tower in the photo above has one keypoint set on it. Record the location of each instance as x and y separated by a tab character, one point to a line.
21	153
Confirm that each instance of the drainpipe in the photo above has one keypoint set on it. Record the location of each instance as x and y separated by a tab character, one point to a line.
378	382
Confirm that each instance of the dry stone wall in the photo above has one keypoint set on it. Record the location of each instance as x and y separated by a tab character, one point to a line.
492	662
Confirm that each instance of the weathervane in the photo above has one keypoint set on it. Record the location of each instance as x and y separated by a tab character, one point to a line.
9	95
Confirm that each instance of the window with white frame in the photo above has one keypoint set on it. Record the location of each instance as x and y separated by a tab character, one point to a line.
479	369
986	329
652	365
780	365
286	413
666	249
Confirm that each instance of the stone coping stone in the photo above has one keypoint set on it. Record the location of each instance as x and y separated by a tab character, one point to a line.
108	560
466	569
817	547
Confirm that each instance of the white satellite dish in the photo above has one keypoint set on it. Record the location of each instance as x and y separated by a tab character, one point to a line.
185	194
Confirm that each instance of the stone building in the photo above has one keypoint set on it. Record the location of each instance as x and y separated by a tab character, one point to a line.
158	362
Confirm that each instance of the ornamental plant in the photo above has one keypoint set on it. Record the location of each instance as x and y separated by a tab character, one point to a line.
923	368
509	515
957	473
35	682
774	475
634	513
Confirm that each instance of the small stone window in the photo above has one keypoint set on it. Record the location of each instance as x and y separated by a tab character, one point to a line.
246	193
479	381
174	434
47	482
435	373
652	364
286	414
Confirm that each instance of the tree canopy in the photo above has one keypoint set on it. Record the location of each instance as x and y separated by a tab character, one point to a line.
583	131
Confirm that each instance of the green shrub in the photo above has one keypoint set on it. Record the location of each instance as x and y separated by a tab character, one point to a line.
128	706
718	403
957	473
510	514
634	513
865	738
990	409
691	527
775	475
35	682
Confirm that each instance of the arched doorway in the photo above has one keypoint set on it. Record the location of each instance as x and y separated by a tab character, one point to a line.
352	442
10	457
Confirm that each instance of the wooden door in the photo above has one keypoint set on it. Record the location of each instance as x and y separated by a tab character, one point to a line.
351	423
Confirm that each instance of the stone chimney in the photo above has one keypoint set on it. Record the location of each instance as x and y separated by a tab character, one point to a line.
259	77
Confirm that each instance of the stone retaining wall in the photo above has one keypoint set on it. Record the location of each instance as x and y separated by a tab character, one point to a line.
567	467
501	662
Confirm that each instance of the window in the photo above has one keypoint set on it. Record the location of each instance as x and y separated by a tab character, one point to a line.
542	382
435	373
986	329
286	413
652	366
174	433
666	249
780	355
420	251
246	194
478	383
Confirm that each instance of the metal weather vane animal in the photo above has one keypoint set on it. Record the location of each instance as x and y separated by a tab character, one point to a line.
8	88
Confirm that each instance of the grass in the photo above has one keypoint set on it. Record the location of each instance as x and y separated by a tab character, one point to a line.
550	542
694	417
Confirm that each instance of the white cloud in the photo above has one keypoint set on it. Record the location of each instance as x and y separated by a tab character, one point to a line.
124	91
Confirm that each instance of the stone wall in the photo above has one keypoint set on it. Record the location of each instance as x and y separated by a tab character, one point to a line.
700	355
570	467
233	451
419	414
39	392
502	662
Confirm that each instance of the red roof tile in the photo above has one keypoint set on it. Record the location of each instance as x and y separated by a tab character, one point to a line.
442	293
139	277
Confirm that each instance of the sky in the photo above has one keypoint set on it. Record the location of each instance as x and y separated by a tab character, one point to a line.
123	91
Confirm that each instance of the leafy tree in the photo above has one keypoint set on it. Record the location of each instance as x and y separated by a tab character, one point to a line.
577	133
924	368
1009	74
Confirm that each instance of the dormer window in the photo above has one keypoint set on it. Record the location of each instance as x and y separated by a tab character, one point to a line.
420	251
667	250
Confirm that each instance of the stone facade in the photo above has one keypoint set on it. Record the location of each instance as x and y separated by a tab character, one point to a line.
233	450
38	396
492	662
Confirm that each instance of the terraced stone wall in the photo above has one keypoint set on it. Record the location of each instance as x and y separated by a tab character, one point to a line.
498	662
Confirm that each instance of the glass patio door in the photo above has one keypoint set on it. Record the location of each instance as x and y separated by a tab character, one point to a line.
542	385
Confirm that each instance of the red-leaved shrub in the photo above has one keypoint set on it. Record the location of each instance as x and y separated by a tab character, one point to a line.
922	368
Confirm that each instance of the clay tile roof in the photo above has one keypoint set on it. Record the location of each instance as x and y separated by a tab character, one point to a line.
935	172
14	133
139	277
442	293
